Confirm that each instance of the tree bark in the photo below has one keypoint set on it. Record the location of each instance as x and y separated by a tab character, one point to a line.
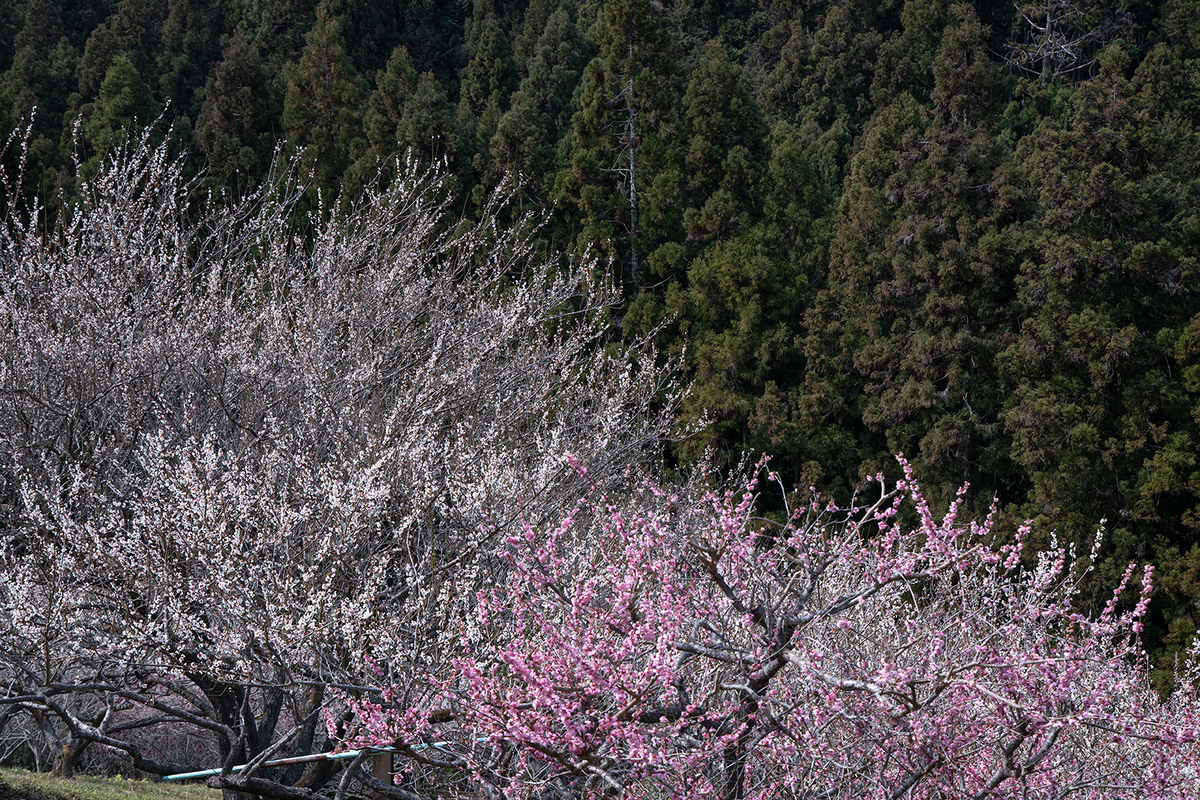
68	757
632	144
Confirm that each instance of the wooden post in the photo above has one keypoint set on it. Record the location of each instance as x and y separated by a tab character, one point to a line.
381	770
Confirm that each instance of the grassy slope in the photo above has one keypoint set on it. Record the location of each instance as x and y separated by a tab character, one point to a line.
86	787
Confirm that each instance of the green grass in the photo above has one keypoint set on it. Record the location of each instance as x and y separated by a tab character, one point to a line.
88	787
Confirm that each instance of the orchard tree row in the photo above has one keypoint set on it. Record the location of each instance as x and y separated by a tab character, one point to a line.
967	232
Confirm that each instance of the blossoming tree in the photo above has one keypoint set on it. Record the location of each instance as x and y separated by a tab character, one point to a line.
687	649
243	448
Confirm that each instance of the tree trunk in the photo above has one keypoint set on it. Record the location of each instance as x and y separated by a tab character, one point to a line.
231	794
68	757
632	143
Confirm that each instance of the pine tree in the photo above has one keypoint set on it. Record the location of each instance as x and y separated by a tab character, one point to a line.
824	73
41	77
370	29
190	49
1181	27
323	106
826	69
433	33
134	30
491	73
124	104
236	123
725	150
487	85
385	108
1115	249
617	134
902	340
537	14
740	273
277	28
10	23
408	112
1101	410
527	135
905	62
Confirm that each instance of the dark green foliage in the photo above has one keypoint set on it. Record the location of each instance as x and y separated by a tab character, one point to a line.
491	73
920	284
134	31
238	117
123	104
10	23
1181	23
1113	257
41	77
526	137
825	71
905	61
322	109
487	84
1100	423
738	272
370	28
537	15
618	139
725	148
409	114
432	32
190	49
277	28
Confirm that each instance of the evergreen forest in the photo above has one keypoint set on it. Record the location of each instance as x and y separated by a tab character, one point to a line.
966	231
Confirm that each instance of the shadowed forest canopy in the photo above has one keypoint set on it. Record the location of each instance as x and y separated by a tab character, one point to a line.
964	231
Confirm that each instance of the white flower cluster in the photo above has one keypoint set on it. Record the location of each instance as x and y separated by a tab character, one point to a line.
244	449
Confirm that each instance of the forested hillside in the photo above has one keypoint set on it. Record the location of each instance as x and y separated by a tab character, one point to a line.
964	231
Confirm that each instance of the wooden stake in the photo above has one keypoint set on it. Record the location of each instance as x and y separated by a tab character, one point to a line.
381	770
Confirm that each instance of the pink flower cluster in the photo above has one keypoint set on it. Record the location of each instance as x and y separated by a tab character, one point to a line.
676	648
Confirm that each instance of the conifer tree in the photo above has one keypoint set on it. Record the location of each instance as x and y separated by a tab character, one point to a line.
487	85
235	127
823	77
526	138
738	276
134	30
124	103
1098	419
1181	27
905	62
41	77
408	112
371	31
725	147
826	68
491	73
10	23
1115	247
190	48
278	28
323	106
433	33
902	340
626	104
533	24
